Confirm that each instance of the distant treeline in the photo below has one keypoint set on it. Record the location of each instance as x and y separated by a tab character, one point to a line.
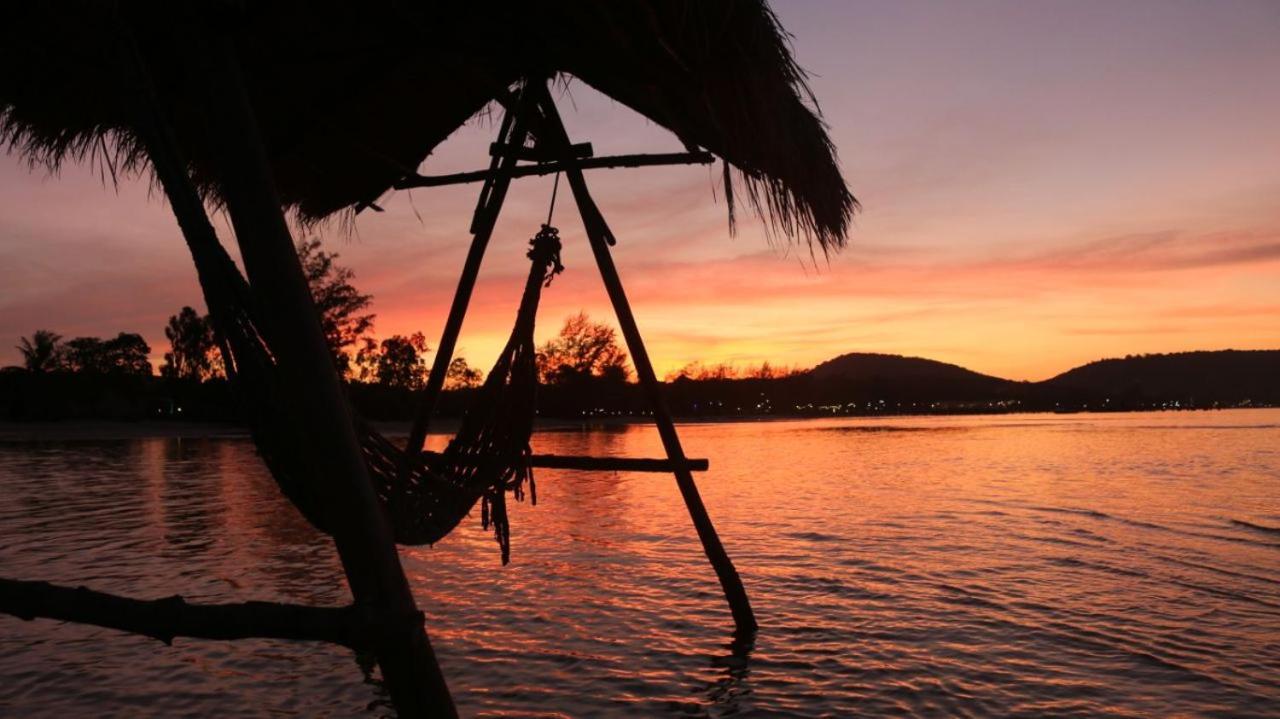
584	373
93	378
856	384
90	378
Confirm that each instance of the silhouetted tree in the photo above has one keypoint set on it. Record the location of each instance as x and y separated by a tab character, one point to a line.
364	364
702	372
769	371
462	375
583	349
127	353
84	355
400	361
41	352
192	350
342	307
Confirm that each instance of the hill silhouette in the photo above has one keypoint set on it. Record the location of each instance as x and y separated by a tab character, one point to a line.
1191	379
869	383
878	376
1225	376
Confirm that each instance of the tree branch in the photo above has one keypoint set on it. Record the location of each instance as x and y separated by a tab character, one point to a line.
171	617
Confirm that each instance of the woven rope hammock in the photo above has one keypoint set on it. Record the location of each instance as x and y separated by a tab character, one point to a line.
425	495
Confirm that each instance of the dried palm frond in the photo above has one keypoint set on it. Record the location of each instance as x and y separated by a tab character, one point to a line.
352	97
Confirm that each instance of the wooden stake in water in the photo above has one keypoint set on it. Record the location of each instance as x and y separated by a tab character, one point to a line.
552	131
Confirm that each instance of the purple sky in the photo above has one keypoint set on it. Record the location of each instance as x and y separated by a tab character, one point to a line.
1044	184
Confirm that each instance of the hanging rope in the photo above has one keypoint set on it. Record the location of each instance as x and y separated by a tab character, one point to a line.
551	210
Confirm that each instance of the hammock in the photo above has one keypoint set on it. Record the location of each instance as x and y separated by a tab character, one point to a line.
424	495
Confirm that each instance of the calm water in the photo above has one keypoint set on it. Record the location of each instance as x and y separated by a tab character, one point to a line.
1123	565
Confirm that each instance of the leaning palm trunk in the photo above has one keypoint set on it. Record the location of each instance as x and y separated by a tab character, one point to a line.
340	494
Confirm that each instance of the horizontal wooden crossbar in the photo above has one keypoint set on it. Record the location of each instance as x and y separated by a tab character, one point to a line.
535	154
547	168
620	464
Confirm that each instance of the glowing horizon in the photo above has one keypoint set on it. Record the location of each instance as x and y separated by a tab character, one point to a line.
1043	186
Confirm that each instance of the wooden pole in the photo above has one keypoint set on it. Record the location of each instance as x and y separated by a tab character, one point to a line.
549	168
576	462
361	533
482	224
172	617
552	130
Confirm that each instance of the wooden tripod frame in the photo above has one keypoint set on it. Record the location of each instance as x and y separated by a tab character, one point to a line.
534	114
384	617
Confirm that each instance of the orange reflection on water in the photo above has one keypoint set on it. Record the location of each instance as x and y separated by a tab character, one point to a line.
1071	565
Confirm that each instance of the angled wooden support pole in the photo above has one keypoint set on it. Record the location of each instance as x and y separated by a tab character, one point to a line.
513	132
311	385
600	237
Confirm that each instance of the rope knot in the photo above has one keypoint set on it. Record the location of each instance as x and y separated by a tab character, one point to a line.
544	249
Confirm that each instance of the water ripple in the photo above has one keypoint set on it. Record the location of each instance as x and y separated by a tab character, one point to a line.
1119	566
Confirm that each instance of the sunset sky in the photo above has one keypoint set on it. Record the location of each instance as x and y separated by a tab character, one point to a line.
1043	184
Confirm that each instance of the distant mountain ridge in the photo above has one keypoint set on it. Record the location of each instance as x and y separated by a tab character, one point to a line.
1224	377
1224	373
866	375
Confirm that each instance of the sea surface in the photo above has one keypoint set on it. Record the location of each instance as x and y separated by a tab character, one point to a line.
1123	565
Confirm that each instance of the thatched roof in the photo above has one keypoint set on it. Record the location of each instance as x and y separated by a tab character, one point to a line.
353	97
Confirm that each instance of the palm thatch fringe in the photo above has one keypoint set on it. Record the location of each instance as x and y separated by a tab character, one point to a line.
353	98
